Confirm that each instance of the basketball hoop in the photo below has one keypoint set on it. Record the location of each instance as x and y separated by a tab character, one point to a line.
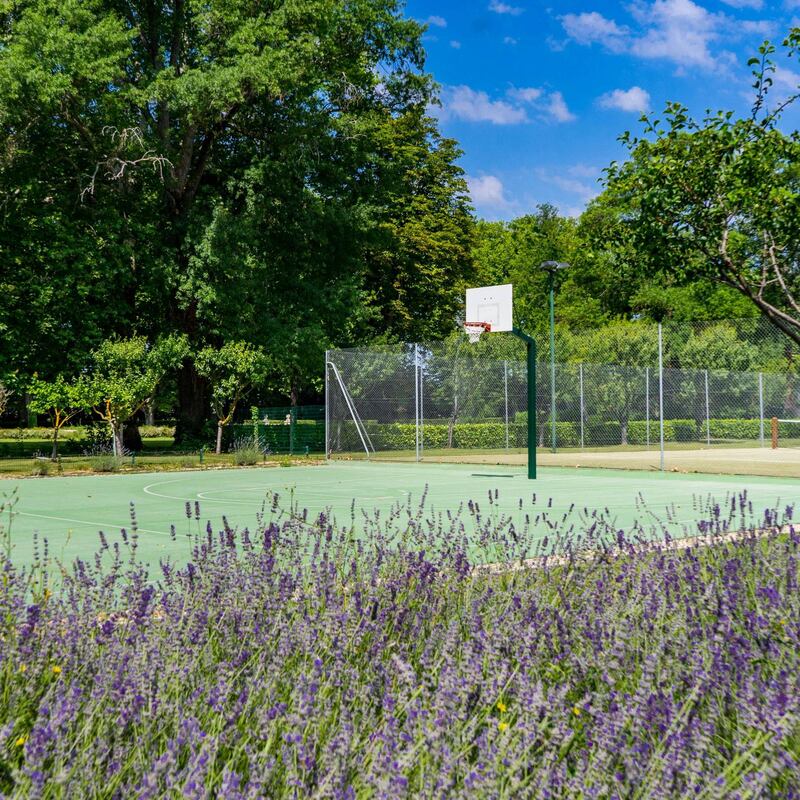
475	329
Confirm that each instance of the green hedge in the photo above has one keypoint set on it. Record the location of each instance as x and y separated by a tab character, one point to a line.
738	428
79	432
492	435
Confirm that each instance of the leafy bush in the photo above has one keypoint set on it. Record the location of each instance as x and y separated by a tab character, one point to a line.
105	462
28	434
156	431
737	428
247	452
40	467
23	434
97	437
480	435
491	435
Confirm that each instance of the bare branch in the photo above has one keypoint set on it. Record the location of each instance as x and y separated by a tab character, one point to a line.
116	166
5	396
769	243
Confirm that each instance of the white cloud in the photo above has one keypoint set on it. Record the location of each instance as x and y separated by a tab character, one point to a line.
583	171
503	8
633	99
528	95
786	79
763	27
550	106
455	44
591	27
465	103
436	22
472	105
487	191
679	31
510	40
556	108
756	4
582	191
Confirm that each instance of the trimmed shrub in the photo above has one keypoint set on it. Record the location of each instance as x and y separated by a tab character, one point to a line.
737	428
40	468
105	462
247	452
156	431
480	435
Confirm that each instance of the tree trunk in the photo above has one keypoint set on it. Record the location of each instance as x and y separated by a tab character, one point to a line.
623	428
193	406
150	414
218	451
30	418
116	432
54	454
790	400
131	438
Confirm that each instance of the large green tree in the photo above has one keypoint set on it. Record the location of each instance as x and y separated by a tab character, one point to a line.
126	373
62	399
719	199
512	252
221	169
232	370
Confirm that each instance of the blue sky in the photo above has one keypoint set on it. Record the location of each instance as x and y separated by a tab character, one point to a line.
537	93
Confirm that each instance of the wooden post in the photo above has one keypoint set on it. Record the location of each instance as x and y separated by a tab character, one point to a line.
774	422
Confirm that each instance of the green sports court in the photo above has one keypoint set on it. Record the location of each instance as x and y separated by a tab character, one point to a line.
69	511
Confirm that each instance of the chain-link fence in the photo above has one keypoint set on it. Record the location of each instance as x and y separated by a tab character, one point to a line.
450	400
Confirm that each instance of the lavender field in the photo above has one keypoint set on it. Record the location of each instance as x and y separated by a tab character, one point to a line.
301	660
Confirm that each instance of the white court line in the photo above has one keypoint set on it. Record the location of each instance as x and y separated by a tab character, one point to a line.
92	523
149	486
321	492
202	495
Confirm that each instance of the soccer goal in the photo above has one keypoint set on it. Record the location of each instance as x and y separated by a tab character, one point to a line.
785	433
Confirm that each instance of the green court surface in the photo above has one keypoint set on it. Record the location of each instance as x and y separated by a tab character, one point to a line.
69	511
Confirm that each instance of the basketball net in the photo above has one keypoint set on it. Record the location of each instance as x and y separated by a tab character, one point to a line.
475	329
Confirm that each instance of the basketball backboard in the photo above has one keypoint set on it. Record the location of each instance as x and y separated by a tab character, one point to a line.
492	304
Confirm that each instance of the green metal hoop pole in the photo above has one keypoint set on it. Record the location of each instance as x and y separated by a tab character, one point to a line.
552	279
530	344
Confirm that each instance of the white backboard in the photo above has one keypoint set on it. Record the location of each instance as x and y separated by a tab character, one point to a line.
492	304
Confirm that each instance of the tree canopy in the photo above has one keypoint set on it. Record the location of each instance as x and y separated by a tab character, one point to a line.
719	199
222	170
267	178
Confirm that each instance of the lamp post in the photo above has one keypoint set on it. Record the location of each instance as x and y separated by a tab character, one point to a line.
551	267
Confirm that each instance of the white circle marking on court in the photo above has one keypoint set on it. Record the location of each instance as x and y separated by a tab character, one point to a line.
91	523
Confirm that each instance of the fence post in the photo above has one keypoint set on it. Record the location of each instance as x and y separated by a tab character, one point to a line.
327	410
661	393
708	414
761	406
580	374
421	414
505	393
416	403
647	405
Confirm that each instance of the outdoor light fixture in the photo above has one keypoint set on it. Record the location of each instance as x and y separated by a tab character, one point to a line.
551	267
